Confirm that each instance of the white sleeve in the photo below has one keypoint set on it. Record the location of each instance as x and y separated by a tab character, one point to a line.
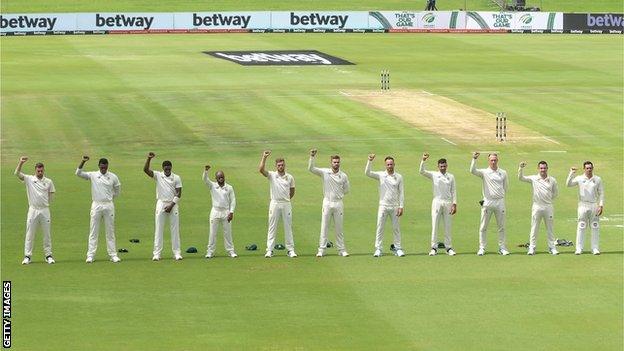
178	182
453	190
571	180
82	174
368	171
474	170
232	200
116	187
555	188
424	172
505	181
600	193
292	181
401	193
314	169
346	186
521	176
207	180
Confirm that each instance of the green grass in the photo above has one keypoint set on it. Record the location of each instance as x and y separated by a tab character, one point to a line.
122	96
17	6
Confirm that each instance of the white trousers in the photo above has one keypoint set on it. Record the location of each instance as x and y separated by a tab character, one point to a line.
382	213
174	225
102	211
587	218
539	212
277	210
38	217
441	212
497	208
332	209
219	216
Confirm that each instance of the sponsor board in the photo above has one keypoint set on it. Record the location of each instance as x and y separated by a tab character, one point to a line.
36	22
222	20
124	21
514	20
324	20
417	20
593	21
279	58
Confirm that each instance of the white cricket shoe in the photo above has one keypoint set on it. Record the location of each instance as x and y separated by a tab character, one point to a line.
115	259
400	253
155	258
89	259
481	252
377	253
233	254
292	254
531	252
451	252
320	253
578	252
177	257
595	252
343	254
268	254
503	252
553	251
433	252
26	260
50	260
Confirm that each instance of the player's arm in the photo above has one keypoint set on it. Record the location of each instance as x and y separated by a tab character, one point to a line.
571	180
454	195
473	165
600	193
521	176
311	166
346	186
232	205
51	192
401	198
79	171
146	167
369	165
116	187
18	170
292	187
206	176
262	166
422	170
505	181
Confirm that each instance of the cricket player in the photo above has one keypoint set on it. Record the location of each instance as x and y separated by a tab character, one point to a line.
105	186
391	197
495	185
444	203
168	194
39	190
544	192
590	206
222	212
282	189
335	186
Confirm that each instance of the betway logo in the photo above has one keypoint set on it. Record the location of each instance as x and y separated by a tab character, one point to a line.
144	22
218	19
262	57
606	20
316	19
28	22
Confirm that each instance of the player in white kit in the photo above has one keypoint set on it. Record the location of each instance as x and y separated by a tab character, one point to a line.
282	190
590	206
168	194
335	186
105	186
544	192
444	204
391	197
222	212
39	191
495	185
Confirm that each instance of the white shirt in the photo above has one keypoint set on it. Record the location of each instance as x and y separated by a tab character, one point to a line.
590	189
443	184
223	197
495	182
38	190
104	187
391	192
166	186
335	185
280	186
544	189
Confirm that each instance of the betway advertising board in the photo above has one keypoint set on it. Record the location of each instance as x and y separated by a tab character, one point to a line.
33	22
319	20
222	20
594	22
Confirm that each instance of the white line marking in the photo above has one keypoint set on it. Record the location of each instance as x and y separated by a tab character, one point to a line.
555	151
551	140
343	93
448	141
427	93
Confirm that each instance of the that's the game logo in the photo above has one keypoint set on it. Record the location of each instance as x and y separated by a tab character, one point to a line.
279	58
